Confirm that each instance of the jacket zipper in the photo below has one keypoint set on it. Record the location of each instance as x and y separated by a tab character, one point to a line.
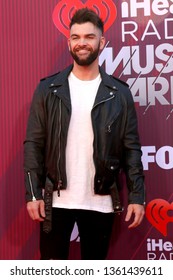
104	101
59	183
31	186
109	126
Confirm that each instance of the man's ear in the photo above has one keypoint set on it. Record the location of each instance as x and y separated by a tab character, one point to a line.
102	42
68	43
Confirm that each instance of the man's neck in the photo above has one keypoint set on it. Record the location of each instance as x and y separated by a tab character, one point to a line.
86	73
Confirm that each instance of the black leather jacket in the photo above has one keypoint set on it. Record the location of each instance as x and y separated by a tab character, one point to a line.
116	140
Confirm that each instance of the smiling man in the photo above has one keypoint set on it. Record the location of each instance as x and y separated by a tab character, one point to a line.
82	130
85	43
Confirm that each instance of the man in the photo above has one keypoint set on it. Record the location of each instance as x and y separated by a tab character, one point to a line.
82	130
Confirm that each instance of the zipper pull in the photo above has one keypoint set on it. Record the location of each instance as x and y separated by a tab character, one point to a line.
59	185
109	128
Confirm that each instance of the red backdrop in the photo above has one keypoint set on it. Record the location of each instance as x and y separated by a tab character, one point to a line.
139	50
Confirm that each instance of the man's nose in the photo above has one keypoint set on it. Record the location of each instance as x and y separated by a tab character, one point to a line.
82	42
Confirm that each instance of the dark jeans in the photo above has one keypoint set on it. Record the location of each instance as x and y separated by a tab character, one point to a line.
94	230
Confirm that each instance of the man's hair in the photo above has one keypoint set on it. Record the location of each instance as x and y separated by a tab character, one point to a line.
87	15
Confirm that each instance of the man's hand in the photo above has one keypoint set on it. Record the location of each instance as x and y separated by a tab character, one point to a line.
138	211
36	210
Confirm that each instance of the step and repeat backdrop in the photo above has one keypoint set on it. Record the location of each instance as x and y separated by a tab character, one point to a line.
139	50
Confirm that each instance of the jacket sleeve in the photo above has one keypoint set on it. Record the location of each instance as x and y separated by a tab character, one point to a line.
132	154
34	148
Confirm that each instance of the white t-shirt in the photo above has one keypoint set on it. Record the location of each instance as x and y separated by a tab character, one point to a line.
79	152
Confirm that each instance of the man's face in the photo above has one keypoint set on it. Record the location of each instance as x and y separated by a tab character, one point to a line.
85	43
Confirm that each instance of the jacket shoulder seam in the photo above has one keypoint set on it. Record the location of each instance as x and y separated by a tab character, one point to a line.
50	76
119	80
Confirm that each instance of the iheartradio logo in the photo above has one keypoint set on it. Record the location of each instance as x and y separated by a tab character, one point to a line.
64	11
157	213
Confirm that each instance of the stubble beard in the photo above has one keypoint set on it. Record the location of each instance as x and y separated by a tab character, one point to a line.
88	60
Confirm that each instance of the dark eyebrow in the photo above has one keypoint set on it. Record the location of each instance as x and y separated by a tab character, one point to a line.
91	34
87	35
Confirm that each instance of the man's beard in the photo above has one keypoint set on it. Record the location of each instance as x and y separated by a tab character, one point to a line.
88	60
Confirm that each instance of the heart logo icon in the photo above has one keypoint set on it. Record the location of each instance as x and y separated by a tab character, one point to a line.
64	11
157	213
